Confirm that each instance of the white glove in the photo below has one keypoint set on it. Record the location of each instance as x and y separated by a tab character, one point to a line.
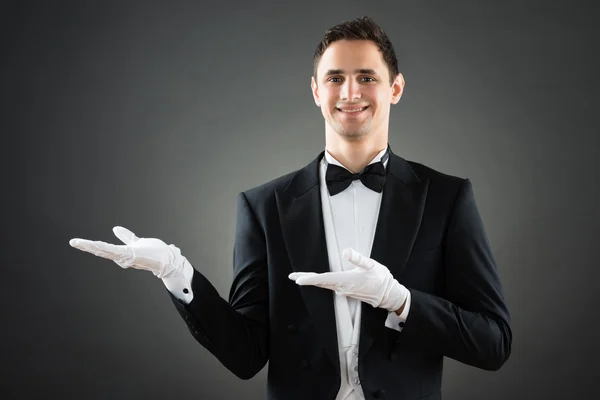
164	261
370	282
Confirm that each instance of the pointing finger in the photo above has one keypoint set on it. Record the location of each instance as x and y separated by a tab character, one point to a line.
328	279
102	249
295	275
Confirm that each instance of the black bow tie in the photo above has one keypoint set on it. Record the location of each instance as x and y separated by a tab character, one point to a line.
372	176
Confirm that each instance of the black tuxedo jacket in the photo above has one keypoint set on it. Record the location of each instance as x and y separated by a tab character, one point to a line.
429	235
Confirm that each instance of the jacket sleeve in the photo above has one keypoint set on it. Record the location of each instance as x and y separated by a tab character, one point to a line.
471	323
235	331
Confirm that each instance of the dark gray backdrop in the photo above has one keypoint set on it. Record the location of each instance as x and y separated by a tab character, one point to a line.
154	117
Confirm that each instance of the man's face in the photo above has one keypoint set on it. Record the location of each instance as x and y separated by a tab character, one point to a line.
353	90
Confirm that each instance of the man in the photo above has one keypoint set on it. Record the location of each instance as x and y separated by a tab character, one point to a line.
355	275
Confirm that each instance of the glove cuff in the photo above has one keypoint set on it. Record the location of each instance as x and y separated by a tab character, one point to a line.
174	268
394	296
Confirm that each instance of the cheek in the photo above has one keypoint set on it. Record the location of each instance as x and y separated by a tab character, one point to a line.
382	100
371	95
329	97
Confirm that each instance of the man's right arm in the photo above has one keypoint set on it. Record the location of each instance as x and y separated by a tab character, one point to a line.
235	332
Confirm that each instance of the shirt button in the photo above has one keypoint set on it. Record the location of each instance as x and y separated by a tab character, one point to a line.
356	367
357	381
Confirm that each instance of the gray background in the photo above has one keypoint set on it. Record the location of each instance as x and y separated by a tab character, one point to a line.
154	117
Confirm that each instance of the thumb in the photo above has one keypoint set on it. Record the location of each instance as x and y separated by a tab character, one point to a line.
125	235
357	259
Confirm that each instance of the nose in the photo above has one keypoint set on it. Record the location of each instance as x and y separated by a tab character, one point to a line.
350	90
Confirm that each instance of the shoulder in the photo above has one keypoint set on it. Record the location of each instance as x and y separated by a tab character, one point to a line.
441	183
425	172
262	197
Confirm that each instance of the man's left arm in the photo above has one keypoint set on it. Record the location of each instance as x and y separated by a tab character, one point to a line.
471	324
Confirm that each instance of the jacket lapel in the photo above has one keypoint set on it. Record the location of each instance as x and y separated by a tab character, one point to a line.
402	205
301	216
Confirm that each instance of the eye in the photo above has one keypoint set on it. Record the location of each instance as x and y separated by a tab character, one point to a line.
334	79
367	79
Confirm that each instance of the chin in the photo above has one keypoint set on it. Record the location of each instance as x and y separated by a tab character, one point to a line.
353	135
357	130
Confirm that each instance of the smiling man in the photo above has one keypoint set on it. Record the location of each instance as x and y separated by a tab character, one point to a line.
355	275
354	88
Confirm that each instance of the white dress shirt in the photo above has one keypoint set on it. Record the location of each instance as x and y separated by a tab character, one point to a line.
349	218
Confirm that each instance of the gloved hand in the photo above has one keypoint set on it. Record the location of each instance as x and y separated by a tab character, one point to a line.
370	282
154	255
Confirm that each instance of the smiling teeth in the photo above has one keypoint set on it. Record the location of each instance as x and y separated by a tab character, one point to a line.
355	110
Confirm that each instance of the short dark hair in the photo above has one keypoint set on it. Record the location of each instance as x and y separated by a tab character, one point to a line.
363	28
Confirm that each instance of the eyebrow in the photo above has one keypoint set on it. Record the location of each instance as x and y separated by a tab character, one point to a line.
357	71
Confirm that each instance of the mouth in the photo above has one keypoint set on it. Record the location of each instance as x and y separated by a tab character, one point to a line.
352	111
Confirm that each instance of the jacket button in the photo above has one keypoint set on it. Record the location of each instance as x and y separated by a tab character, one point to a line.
291	328
304	364
393	355
378	394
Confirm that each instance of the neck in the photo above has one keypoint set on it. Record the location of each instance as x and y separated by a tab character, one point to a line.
355	155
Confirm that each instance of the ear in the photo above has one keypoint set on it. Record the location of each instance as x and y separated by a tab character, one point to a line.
315	91
397	88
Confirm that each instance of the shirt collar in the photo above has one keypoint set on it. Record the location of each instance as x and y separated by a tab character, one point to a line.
331	160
